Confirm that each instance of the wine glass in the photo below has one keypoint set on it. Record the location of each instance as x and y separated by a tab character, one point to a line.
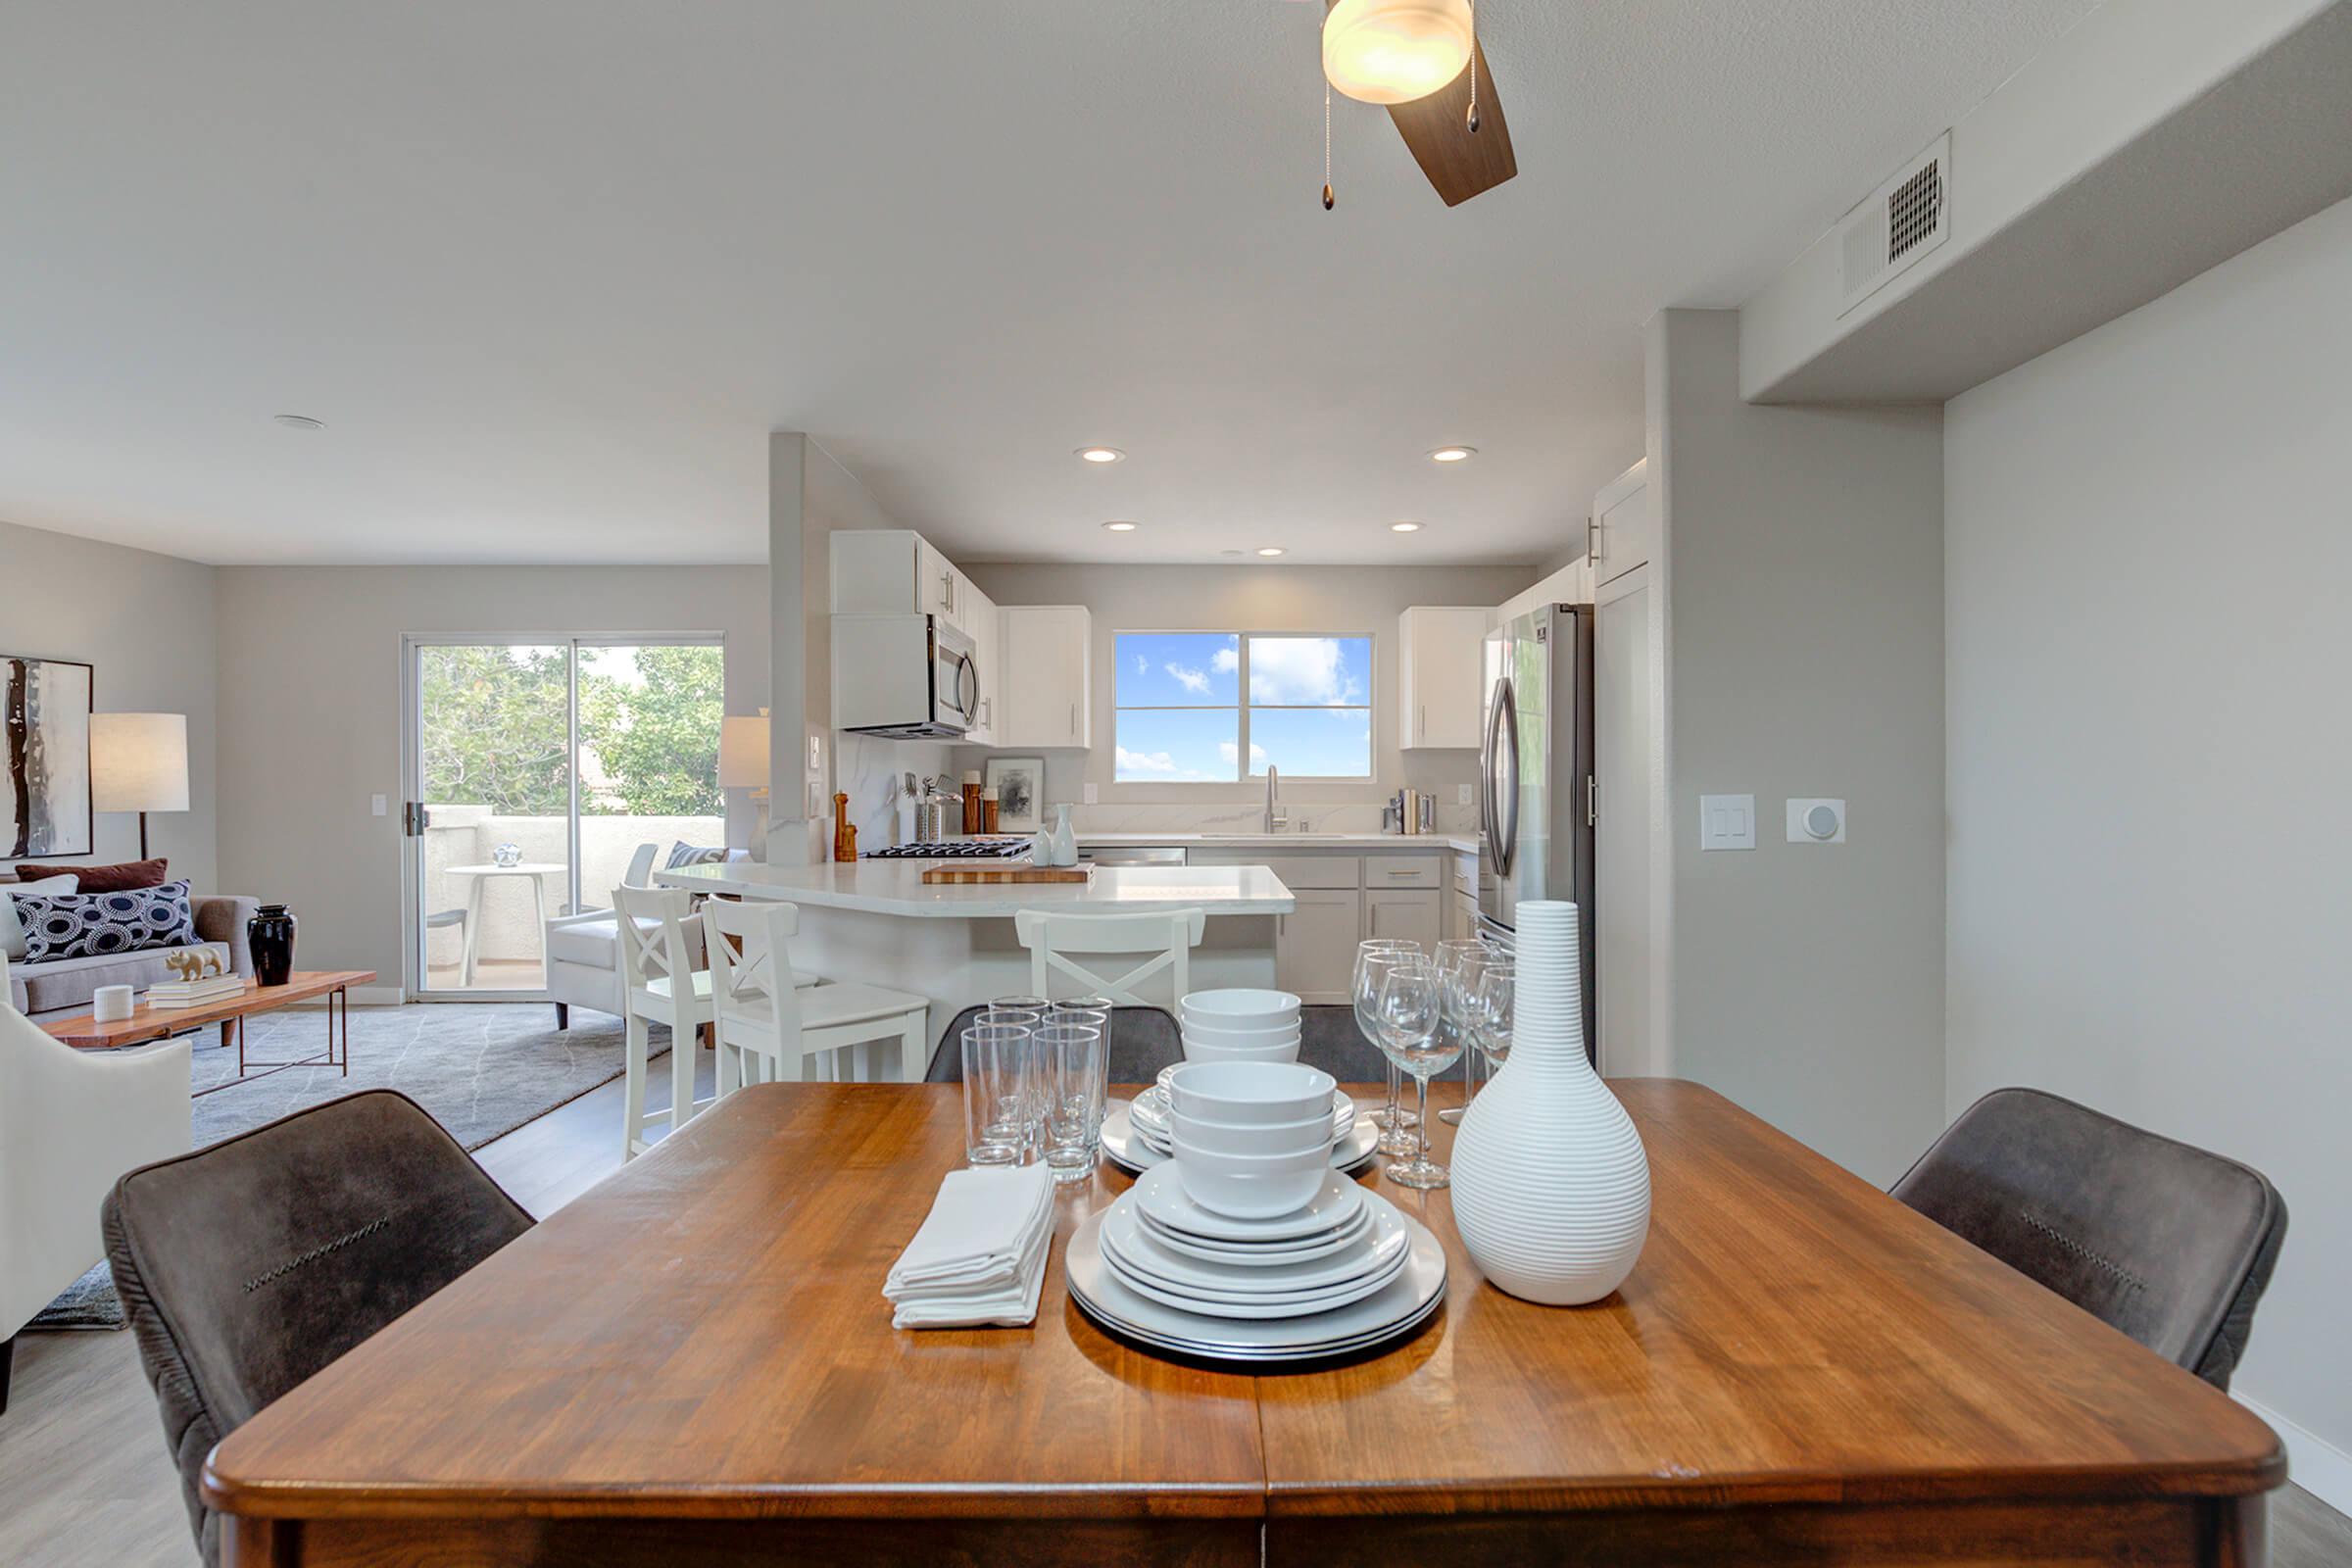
1408	1014
1372	958
1492	1014
1460	963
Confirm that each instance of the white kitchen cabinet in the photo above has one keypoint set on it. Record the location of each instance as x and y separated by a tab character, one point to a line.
1045	687
1438	675
986	627
1315	945
1412	914
897	571
1624	525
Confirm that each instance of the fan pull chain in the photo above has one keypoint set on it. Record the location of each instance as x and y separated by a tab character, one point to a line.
1329	201
1472	68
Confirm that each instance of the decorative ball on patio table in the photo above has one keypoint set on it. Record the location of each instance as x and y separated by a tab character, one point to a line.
1550	1182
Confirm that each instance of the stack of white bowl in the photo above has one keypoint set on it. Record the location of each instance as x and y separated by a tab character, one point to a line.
1249	1220
1239	1025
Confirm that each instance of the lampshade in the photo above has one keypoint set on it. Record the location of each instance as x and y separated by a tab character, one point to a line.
140	762
742	753
1394	51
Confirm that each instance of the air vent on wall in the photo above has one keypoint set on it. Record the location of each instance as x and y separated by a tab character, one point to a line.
1904	219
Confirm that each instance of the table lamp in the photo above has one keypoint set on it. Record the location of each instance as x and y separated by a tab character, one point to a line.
743	766
139	763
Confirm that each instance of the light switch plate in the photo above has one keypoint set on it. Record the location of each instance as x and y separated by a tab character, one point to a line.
1089	795
1806	828
378	805
1461	795
1726	822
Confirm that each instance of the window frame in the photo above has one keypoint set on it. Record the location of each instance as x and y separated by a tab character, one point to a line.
1241	705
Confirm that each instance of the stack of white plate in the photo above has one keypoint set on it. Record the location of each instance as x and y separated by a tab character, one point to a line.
1137	1134
1239	1025
1247	1246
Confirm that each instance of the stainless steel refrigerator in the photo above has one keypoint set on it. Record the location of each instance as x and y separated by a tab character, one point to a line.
1535	775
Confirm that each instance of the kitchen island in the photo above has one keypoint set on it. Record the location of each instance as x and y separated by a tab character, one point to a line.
876	922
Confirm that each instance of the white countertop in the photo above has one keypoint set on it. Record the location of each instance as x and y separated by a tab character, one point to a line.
896	887
1368	843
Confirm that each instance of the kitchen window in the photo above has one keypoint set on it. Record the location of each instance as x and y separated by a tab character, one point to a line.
1190	705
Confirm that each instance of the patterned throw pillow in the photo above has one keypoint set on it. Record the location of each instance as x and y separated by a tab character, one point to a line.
12	935
685	854
86	926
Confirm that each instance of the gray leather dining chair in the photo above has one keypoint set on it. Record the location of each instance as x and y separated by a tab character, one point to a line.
2163	1241
1143	1040
248	1267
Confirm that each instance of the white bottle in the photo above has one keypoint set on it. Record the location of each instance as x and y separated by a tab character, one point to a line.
1041	849
1065	842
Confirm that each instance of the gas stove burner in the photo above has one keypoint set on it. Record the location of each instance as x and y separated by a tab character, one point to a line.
997	848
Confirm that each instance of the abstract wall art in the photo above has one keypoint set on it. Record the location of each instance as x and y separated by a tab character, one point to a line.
44	757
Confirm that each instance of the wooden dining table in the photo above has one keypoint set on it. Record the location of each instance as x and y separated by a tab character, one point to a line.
693	1364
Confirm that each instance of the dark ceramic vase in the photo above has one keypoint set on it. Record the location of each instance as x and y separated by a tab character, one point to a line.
271	935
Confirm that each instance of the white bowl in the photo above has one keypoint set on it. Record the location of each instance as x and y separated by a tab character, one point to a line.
1239	1006
1260	1141
1198	1050
1230	1034
1249	1092
1252	1189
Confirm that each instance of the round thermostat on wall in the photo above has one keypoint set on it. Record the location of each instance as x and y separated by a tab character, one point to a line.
1821	822
1817	822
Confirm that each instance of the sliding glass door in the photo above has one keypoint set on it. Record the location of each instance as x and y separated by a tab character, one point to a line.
536	768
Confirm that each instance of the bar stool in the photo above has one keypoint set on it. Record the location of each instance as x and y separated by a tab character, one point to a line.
1051	936
768	1026
662	981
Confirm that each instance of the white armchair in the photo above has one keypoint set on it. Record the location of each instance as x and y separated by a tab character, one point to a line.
583	951
70	1124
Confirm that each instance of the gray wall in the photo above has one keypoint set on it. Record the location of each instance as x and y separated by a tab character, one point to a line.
1804	651
144	622
1251	598
310	719
2147	553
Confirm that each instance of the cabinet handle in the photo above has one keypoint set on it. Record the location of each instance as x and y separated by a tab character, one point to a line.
1073	722
1593	539
1404	871
1423	732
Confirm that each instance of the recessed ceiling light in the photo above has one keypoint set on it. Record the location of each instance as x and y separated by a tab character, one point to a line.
1404	527
1271	550
1452	454
1100	454
1120	527
1232	552
299	422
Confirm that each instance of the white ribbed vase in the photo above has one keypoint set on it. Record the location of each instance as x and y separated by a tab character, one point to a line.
1550	1184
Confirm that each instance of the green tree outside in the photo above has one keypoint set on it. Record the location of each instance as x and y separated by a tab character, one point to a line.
495	731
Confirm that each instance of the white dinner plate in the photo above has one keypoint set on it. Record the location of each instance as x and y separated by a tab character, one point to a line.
1126	1147
1163	1196
1142	1250
1262	1254
1209	1303
1393	1312
1151	1114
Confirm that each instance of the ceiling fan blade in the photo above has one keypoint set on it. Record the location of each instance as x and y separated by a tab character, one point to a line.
1458	162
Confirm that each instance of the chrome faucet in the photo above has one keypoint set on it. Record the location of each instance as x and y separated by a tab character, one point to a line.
1276	822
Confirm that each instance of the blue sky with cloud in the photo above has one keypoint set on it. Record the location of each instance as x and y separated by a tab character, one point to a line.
1321	726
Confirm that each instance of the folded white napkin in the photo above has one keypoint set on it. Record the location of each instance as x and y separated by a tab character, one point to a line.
980	1256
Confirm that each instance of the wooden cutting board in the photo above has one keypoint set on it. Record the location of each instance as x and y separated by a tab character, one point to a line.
1005	871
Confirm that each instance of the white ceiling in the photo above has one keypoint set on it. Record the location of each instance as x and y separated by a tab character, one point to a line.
550	268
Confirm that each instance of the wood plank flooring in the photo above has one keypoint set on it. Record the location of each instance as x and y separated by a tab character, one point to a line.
84	1478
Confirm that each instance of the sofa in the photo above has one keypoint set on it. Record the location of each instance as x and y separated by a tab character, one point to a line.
62	987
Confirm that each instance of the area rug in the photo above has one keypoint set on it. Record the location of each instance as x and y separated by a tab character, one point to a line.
481	1069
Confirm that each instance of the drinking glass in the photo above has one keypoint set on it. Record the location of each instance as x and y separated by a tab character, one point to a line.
1493	1013
999	1086
1015	1012
1070	1063
1407	1013
1363	992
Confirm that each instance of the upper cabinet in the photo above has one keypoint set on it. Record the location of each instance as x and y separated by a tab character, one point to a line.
1044	688
1624	525
986	623
1438	678
894	570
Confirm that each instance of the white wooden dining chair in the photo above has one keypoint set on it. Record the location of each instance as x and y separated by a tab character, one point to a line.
1167	937
770	1027
662	981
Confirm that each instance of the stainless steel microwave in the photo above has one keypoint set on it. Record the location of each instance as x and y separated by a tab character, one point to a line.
904	676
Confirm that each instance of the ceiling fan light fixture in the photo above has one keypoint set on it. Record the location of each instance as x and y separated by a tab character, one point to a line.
1394	51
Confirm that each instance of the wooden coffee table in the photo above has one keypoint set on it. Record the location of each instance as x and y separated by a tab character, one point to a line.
148	1023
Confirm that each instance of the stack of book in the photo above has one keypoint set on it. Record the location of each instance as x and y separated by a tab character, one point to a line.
193	993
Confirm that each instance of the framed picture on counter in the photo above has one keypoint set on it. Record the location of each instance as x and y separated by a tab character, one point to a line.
1020	785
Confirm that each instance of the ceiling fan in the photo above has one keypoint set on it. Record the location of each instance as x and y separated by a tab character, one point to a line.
1420	59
